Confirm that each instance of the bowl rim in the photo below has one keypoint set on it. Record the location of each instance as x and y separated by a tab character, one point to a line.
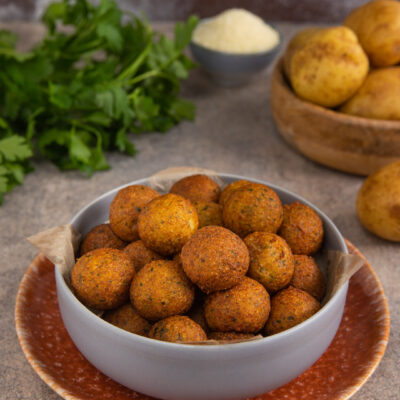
279	73
241	55
162	345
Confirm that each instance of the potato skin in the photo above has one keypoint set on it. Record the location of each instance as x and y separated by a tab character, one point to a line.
140	255
177	329
329	68
377	26
290	307
271	260
252	208
231	188
378	202
209	213
167	223
308	276
127	318
197	188
100	237
302	228
125	209
378	97
215	258
243	308
102	277
161	289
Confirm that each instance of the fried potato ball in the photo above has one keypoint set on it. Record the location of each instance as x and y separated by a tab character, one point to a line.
231	188
308	276
101	278
215	258
100	237
243	308
301	228
127	318
177	329
167	223
125	209
290	307
140	255
271	260
197	188
161	289
252	208
209	213
229	336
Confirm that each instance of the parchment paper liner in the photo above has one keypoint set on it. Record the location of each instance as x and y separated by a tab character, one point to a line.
61	243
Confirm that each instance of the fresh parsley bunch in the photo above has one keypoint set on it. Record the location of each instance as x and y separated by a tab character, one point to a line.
84	87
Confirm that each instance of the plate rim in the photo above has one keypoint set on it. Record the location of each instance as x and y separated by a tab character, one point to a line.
65	394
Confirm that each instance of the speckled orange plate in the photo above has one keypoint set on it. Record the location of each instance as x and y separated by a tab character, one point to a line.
345	366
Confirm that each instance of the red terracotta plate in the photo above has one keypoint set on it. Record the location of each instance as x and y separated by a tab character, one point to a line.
346	365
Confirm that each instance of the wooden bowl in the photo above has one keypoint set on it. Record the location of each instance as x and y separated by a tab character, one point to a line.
348	143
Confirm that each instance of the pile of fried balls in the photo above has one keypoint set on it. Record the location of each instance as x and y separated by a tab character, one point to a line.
198	263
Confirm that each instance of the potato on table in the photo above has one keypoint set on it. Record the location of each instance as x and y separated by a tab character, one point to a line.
271	260
127	318
167	223
308	276
252	208
102	277
231	188
378	97
140	255
377	26
290	307
161	289
243	308
329	67
125	209
209	213
177	329
197	188
302	228
99	237
215	258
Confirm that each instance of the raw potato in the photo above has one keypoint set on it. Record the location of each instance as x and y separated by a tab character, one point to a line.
378	202
378	97
377	25
329	68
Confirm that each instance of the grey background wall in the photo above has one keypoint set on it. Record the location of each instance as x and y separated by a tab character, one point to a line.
274	10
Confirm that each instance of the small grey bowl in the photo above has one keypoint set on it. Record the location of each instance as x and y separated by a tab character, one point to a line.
230	69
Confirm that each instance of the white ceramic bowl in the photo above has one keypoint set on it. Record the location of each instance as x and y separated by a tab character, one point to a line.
178	371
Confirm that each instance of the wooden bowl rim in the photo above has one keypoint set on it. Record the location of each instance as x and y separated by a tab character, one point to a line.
279	76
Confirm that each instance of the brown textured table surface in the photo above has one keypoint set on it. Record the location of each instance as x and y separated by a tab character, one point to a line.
233	132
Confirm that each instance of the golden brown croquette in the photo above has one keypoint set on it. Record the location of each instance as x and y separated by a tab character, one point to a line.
125	209
167	223
102	277
215	258
100	237
209	213
301	228
161	289
177	329
140	255
308	276
231	188
252	208
243	308
290	307
127	318
197	188
229	336
271	260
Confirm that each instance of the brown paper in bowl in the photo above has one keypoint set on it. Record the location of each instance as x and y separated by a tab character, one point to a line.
60	245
